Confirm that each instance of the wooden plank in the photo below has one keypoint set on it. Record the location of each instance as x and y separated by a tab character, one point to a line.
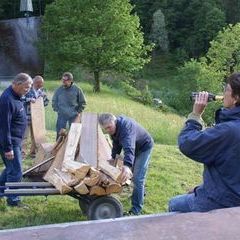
38	165
104	149
57	163
73	141
88	139
44	152
38	121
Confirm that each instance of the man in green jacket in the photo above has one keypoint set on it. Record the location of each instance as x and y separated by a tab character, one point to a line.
68	101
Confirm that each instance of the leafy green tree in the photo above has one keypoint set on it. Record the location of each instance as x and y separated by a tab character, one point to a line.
158	32
207	22
224	53
232	10
99	35
190	24
209	72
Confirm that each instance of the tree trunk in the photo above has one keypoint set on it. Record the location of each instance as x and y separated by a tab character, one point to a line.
96	87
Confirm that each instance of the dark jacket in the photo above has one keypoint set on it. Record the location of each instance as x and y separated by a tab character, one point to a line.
132	138
12	120
218	148
68	102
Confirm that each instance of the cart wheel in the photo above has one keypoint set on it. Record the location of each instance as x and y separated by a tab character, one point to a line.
104	207
84	205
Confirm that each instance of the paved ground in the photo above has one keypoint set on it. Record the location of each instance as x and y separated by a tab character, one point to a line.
216	225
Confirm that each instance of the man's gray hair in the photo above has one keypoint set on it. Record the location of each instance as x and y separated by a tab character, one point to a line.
21	78
106	118
68	75
38	77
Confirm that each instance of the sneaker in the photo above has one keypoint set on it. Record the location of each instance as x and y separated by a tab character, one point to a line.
18	205
130	213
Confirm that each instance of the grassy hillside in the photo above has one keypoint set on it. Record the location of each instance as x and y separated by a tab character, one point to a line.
170	173
163	126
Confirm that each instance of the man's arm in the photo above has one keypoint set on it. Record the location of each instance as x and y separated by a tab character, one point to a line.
128	141
6	113
54	102
81	101
116	148
203	146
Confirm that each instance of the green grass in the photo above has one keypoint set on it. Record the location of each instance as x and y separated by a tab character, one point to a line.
170	173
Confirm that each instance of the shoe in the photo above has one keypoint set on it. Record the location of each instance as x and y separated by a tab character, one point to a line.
130	213
18	205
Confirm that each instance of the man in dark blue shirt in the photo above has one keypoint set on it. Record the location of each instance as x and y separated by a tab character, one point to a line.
218	149
137	145
12	127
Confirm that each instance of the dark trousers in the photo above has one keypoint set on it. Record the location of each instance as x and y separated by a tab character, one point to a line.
62	122
12	171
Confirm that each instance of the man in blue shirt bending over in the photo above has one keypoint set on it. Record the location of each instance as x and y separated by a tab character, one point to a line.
218	149
12	127
137	145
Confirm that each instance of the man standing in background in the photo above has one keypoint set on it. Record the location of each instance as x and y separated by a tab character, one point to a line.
35	92
12	128
68	101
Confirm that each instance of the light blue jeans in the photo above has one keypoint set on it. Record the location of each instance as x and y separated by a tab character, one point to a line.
193	203
139	175
12	171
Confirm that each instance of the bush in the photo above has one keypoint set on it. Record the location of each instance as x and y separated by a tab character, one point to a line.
144	96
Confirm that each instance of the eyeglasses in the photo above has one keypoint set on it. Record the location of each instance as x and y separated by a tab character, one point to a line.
65	79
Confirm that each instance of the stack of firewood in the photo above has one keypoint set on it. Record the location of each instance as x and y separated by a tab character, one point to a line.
79	160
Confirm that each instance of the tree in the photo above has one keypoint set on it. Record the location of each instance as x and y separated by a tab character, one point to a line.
99	35
210	72
158	31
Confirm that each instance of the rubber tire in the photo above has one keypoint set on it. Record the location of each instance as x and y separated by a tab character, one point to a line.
84	205
104	207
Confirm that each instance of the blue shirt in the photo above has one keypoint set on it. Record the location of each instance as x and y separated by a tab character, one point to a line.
12	120
132	138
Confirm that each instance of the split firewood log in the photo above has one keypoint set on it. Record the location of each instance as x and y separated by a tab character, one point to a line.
94	172
113	187
67	177
81	188
80	170
59	184
91	181
109	170
103	180
97	190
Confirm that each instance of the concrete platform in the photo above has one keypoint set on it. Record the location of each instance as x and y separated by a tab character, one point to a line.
216	225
